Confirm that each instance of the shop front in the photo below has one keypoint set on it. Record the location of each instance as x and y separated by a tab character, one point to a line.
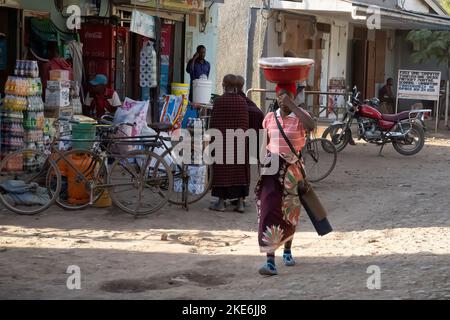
24	35
168	41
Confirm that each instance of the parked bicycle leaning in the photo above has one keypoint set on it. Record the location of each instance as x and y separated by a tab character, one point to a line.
140	181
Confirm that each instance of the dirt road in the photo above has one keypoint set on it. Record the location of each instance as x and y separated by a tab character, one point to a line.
391	212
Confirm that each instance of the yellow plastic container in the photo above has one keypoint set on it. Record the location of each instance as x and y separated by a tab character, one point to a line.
104	201
180	89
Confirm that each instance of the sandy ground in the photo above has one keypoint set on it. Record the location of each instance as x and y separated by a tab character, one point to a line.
391	212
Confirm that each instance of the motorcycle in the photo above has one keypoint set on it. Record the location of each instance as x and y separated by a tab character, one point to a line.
405	130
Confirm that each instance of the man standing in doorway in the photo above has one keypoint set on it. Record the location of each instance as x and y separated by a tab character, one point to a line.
387	97
197	67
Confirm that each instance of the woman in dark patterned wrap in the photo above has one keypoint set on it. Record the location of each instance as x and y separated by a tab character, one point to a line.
230	181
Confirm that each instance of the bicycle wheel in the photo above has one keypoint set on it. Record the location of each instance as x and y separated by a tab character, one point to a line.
320	158
81	170
141	182
195	180
24	187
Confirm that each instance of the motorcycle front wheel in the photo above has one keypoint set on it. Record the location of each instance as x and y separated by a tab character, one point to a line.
333	133
414	141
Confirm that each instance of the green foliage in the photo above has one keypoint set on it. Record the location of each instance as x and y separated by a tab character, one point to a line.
446	5
433	45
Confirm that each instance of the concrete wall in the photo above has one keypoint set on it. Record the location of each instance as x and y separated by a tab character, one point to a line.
404	61
272	48
233	41
413	5
208	38
416	5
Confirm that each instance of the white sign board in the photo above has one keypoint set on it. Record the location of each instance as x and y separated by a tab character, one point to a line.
142	24
419	85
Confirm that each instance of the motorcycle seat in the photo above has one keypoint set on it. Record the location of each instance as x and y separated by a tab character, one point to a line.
396	117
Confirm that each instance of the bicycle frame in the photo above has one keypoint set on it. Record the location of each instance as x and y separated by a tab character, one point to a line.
104	150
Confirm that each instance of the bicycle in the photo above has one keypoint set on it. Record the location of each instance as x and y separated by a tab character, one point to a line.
320	158
138	171
186	188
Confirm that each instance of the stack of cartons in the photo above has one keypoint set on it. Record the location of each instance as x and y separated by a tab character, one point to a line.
57	95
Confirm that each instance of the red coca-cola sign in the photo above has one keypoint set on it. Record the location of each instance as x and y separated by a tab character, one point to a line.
98	41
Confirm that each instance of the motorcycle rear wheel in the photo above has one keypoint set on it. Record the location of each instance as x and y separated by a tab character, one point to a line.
416	137
332	133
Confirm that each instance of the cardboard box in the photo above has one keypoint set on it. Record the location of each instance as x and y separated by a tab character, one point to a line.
65	145
66	112
59	112
59	75
57	97
58	85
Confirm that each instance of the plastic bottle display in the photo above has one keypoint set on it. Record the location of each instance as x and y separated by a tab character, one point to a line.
23	86
26	68
22	114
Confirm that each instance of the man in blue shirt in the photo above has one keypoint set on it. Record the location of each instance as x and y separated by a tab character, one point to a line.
197	67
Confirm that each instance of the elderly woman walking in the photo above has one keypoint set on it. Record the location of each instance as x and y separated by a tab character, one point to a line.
230	180
278	202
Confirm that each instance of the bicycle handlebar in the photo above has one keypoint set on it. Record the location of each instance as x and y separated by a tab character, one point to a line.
62	119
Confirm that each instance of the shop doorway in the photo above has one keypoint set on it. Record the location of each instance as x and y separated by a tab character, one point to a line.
9	25
369	62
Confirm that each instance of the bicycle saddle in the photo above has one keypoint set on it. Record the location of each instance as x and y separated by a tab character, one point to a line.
161	127
105	122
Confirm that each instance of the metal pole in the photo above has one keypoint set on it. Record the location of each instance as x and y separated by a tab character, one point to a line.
398	86
447	93
396	105
437	114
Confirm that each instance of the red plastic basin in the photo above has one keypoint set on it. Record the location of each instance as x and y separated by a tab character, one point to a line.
286	70
286	75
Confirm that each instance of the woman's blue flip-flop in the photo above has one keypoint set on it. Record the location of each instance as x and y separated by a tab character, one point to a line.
268	270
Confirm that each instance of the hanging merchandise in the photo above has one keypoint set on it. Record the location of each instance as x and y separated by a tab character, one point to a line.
154	70
76	52
148	66
166	54
173	110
